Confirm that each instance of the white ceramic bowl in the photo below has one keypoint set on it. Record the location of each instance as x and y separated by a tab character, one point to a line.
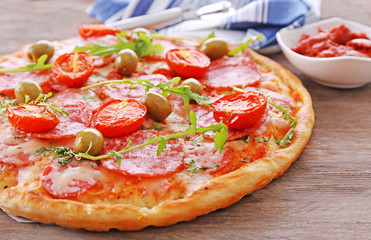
340	72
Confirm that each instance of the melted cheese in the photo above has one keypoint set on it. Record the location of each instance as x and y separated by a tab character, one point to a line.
63	181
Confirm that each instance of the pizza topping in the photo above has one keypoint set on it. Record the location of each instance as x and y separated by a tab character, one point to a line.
119	117
79	118
27	88
38	66
135	34
69	181
194	85
142	47
126	62
191	63
32	118
158	107
89	141
166	87
133	88
215	48
228	72
97	30
35	51
73	69
286	115
144	161
240	110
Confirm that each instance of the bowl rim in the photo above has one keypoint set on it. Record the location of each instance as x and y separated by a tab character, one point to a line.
315	25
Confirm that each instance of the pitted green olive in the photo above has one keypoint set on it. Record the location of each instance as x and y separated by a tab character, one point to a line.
194	85
89	140
137	31
40	48
158	107
215	48
27	87
126	62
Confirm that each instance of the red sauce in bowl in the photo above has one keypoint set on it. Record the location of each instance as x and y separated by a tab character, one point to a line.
339	41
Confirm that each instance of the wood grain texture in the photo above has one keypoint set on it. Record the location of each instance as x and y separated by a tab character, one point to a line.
326	193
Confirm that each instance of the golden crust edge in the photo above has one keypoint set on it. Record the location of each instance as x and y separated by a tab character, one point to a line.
217	193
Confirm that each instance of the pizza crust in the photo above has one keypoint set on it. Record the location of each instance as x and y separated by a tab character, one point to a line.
219	192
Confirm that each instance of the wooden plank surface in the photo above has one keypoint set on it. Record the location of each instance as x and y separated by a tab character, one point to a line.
326	194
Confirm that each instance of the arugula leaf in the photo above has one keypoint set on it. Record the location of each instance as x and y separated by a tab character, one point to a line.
167	87
211	35
219	144
292	121
154	127
243	46
142	47
38	66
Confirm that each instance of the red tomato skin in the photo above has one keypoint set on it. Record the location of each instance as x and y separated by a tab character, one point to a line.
229	109
32	118
64	72
188	63
119	117
97	30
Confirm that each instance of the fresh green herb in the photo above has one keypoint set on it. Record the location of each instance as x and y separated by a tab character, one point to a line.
39	65
286	115
163	36
64	155
5	103
89	98
193	169
263	140
246	140
142	47
155	126
243	46
41	100
167	87
219	139
211	35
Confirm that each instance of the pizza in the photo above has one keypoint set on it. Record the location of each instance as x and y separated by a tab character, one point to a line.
127	129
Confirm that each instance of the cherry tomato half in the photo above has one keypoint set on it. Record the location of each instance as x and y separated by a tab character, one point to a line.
190	63
73	69
32	118
119	117
97	30
240	110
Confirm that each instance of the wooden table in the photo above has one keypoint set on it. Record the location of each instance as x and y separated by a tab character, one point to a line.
326	194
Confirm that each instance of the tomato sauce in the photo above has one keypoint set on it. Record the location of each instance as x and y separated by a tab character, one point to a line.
339	41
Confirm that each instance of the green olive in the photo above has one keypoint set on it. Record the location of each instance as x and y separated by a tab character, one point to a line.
194	85
89	140
40	48
27	87
158	107
137	31
215	48
126	62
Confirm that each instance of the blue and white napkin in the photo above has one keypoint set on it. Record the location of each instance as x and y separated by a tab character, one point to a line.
245	19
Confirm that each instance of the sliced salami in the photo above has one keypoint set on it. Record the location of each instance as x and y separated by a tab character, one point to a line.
125	90
79	118
226	73
144	162
88	96
8	81
205	157
69	181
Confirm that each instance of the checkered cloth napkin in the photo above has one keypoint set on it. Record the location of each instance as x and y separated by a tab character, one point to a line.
245	19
